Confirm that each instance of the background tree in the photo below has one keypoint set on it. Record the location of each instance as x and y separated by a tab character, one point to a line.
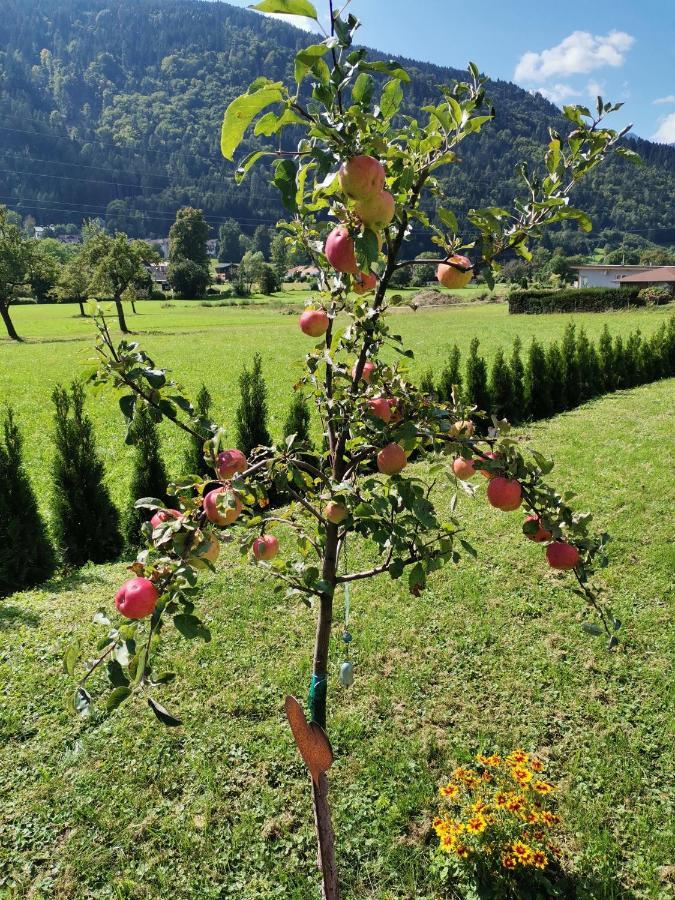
85	522
269	280
279	256
115	264
518	411
16	259
250	269
261	241
73	283
476	391
194	462
189	270
537	383
149	478
252	412
298	420
423	275
501	387
26	555
44	273
451	376
229	246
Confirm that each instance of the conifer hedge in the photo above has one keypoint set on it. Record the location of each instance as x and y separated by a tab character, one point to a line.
536	300
560	376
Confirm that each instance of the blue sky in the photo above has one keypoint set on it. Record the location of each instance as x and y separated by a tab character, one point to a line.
623	48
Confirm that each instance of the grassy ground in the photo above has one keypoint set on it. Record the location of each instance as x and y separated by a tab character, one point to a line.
491	656
212	345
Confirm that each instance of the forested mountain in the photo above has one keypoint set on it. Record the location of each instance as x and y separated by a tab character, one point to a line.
112	108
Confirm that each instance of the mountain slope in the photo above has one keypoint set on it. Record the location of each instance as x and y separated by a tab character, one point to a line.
113	108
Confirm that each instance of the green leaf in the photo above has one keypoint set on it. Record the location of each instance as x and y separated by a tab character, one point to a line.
362	92
417	577
241	112
163	714
285	174
119	695
448	218
388	68
592	628
249	161
127	404
581	217
287	8
70	659
392	97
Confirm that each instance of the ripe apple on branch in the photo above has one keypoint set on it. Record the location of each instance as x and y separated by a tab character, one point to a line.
360	170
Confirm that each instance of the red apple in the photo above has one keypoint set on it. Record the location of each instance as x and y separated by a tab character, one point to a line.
364	282
207	550
314	322
450	277
391	459
463	428
339	250
376	212
230	463
561	555
228	514
335	512
463	468
504	493
163	515
137	598
395	411
368	369
380	407
361	176
484	472
541	535
265	547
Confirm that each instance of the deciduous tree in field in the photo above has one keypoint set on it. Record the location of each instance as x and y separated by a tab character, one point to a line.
115	264
364	167
16	259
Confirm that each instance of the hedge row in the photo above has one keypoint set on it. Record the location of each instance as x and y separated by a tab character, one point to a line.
85	525
558	377
575	300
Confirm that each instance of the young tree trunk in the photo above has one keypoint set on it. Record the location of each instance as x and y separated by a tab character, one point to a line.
133	307
82	312
120	316
9	325
317	704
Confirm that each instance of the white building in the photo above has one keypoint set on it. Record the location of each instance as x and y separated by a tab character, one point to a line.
604	275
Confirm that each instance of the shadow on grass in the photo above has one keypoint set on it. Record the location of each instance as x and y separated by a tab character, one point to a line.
15	615
72	581
556	884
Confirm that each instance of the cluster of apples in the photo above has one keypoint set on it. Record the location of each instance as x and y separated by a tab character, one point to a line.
506	494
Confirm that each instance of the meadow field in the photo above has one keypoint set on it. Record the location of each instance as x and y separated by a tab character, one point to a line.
211	344
492	656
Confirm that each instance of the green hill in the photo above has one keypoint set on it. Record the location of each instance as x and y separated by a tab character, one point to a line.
112	108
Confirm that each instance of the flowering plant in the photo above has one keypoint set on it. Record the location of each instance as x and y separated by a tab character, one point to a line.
497	819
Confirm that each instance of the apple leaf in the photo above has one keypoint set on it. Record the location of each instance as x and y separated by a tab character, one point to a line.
241	112
287	8
119	695
163	714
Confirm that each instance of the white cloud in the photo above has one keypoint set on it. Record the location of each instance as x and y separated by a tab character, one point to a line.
579	53
595	89
665	133
669	99
557	93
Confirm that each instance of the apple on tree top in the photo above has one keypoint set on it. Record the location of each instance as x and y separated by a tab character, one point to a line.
314	322
230	463
450	276
361	176
137	598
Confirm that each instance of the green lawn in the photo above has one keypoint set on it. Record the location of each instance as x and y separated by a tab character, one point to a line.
212	345
491	656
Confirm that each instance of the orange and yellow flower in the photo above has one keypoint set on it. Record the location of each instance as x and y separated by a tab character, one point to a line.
516	804
542	787
449	790
522	852
462	851
502	799
476	824
521	774
536	765
539	859
518	758
509	861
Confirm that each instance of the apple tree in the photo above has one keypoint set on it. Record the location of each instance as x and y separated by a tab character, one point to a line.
367	173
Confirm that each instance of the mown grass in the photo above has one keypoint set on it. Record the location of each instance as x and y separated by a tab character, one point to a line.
211	345
491	656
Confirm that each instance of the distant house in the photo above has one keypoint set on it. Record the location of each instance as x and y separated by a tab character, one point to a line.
605	276
654	275
298	272
160	244
225	271
159	272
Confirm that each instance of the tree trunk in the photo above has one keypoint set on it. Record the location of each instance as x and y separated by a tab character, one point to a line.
120	316
9	325
317	707
133	307
82	312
